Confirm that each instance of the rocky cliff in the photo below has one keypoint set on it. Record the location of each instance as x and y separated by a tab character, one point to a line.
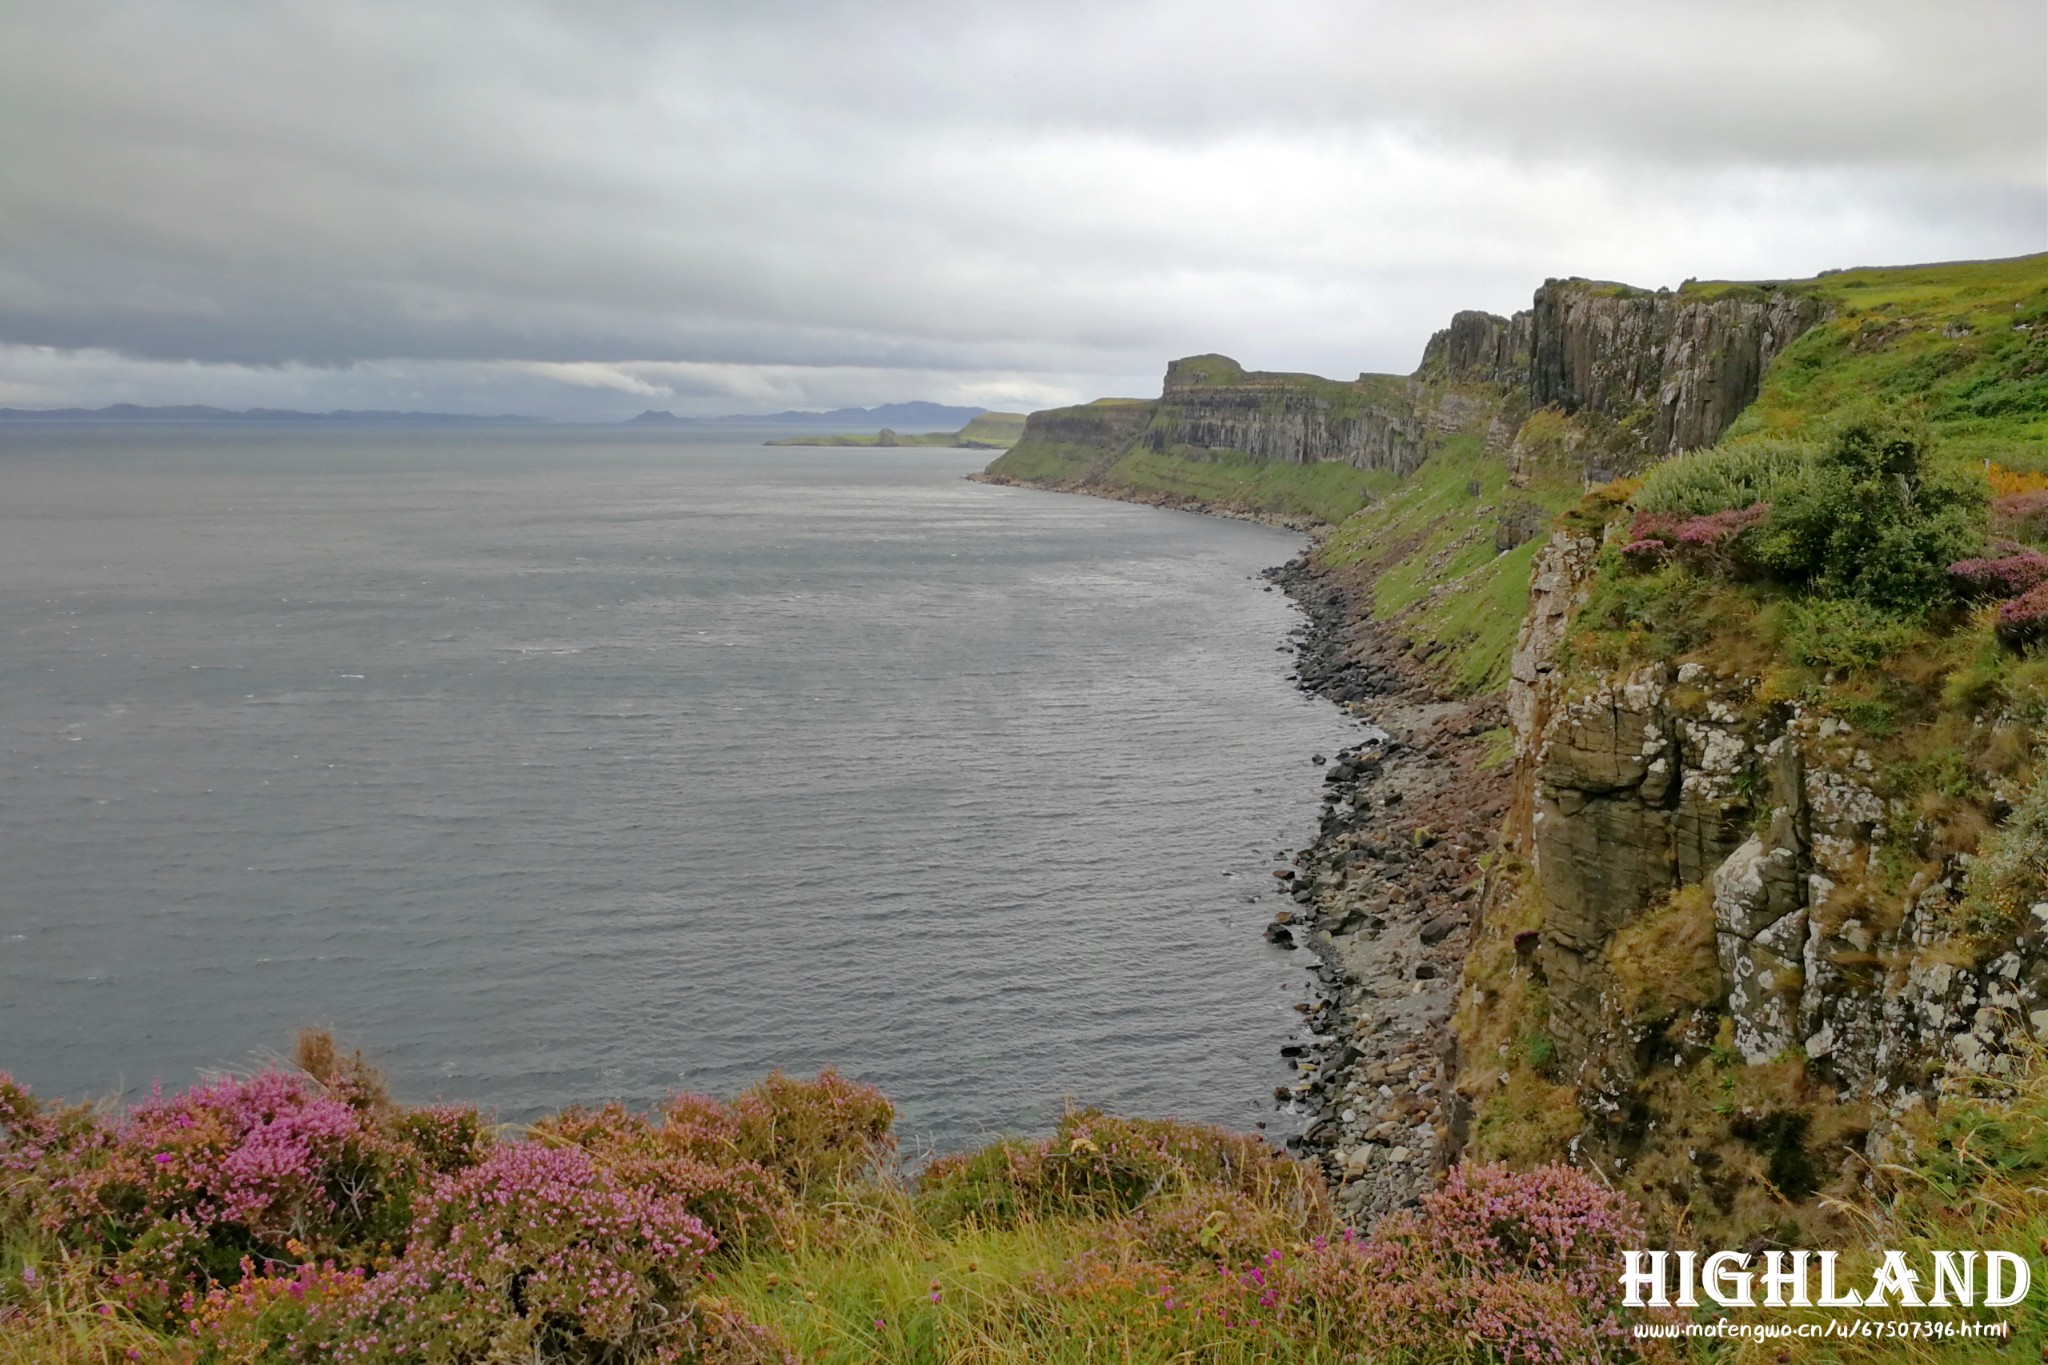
1743	950
1672	370
1638	374
1211	403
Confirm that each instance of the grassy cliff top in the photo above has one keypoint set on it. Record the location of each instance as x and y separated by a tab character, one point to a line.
1965	343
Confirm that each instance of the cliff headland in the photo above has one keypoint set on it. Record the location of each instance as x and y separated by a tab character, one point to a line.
1699	839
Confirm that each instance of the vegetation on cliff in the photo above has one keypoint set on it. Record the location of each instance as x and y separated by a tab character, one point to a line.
1780	845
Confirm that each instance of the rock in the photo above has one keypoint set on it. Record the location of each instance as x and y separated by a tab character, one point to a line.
1439	928
1280	936
1425	971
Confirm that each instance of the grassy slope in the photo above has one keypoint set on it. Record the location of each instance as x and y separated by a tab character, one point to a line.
1968	341
1437	575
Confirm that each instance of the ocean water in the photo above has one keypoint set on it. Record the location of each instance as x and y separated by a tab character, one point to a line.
552	766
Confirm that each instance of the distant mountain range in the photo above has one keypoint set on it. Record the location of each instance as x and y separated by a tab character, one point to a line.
196	412
901	416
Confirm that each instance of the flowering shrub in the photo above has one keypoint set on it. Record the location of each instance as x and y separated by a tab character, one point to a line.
186	1187
1705	543
2024	620
596	1241
538	1252
1099	1166
2005	576
2021	515
1519	1265
1870	515
810	1133
738	1202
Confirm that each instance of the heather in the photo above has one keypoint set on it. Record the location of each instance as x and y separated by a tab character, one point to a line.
299	1213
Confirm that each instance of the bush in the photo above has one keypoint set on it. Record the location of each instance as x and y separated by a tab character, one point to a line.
187	1190
2024	620
539	1252
1705	544
1507	1265
1833	634
2010	872
738	1201
1871	518
2003	577
1867	516
815	1133
1718	479
1098	1166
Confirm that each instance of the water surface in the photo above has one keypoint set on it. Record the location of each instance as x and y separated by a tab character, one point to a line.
558	765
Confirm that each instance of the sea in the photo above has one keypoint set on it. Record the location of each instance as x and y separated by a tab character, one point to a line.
552	765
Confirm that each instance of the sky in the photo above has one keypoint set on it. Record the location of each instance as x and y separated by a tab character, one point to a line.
580	210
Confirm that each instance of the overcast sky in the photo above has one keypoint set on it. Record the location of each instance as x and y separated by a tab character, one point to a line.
585	209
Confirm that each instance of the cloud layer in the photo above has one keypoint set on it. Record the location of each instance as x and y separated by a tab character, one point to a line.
583	209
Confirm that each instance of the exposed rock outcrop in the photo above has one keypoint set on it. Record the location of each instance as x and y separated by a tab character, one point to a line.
1673	778
1481	347
1212	403
1674	368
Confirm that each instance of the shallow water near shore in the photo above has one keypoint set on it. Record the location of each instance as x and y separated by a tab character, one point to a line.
558	765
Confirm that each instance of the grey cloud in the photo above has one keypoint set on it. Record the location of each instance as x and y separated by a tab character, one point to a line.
1054	195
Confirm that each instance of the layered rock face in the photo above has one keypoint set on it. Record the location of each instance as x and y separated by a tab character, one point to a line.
1666	778
1675	367
1481	347
1109	425
1658	373
1212	403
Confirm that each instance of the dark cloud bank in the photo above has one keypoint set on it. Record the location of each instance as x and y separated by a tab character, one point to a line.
585	209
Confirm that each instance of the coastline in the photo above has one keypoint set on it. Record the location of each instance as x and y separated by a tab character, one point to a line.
1386	897
1386	894
1305	525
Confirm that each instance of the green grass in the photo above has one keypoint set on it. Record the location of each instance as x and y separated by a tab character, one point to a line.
1003	429
1968	342
1052	463
1231	480
898	438
1436	571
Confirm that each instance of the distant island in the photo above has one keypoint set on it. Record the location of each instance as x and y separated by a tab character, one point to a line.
917	416
198	412
989	431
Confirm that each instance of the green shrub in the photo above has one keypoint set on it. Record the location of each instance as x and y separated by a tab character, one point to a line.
1872	517
2010	872
1099	1166
1836	634
1727	476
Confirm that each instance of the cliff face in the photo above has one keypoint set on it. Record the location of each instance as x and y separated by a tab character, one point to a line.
1108	427
1640	374
1481	347
1212	403
1703	885
1674	369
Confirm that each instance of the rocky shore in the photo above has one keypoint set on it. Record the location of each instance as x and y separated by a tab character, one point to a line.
1386	898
